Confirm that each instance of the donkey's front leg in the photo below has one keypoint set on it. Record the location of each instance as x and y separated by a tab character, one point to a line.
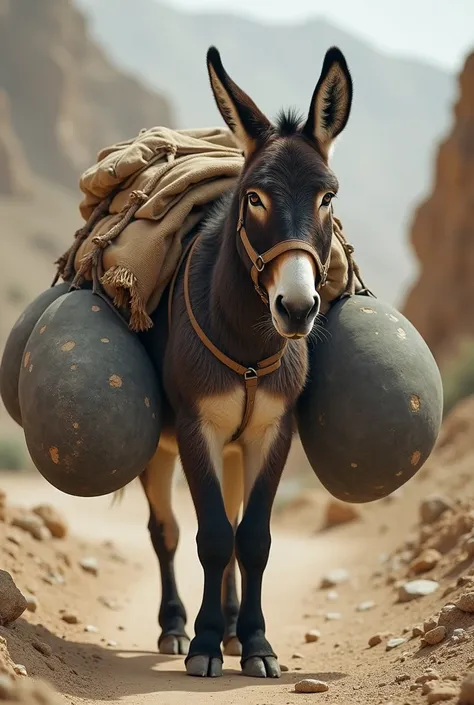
264	461
201	456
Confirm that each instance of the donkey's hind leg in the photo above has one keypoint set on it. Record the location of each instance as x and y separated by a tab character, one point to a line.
233	493
164	532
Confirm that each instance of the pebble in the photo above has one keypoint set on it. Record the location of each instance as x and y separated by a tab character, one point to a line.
365	606
432	507
435	636
31	603
33	524
425	561
70	618
309	685
417	630
375	640
20	669
466	602
43	648
312	635
429	624
297	655
52	519
467	690
334	577
401	679
449	614
416	588
429	675
90	565
12	602
111	604
332	595
283	668
332	616
393	643
91	628
340	513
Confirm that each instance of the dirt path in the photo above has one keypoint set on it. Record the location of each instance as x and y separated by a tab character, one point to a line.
134	672
117	662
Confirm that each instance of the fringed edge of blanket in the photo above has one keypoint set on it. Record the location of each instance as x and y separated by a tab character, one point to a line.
125	286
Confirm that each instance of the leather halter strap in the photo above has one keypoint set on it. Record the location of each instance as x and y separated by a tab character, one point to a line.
259	261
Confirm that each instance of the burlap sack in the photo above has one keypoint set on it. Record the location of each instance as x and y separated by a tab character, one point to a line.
142	197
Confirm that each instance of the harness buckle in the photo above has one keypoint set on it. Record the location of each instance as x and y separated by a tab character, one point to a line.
251	373
259	264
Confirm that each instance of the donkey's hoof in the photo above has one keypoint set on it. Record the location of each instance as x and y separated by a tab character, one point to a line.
173	645
203	666
262	667
233	647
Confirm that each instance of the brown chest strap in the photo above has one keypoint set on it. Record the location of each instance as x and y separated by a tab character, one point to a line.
250	375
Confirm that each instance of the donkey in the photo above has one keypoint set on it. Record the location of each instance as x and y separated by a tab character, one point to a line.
230	340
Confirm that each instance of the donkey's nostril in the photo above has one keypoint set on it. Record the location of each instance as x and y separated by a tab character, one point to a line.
315	307
281	308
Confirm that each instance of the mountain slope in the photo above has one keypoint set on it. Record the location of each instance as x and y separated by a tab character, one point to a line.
383	160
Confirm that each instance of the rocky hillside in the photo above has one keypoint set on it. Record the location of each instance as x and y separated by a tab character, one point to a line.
440	303
67	98
61	99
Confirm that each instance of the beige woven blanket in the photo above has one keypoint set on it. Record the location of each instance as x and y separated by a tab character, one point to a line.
142	197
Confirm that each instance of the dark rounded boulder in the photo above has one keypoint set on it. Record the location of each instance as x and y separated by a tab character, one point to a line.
89	396
372	407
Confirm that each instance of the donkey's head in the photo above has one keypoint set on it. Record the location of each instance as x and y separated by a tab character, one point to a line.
286	189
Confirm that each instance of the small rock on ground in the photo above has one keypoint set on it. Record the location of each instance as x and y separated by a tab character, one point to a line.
466	602
427	560
312	635
33	524
90	565
52	519
70	618
20	669
31	603
416	588
365	606
375	640
334	577
340	513
435	636
12	602
309	685
43	648
393	643
432	507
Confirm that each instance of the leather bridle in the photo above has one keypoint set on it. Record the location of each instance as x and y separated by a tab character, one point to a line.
252	374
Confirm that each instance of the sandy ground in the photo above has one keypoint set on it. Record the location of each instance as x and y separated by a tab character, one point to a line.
117	662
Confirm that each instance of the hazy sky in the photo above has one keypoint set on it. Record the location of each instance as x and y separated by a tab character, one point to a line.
441	31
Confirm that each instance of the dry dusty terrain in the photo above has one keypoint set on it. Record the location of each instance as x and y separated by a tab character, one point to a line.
102	578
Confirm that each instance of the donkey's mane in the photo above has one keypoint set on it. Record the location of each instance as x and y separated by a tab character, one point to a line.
289	122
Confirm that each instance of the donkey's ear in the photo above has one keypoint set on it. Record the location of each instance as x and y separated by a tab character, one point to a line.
247	122
331	102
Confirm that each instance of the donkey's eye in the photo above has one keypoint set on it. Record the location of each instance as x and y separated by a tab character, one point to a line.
254	199
327	198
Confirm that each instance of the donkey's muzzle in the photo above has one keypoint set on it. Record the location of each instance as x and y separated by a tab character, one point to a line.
297	314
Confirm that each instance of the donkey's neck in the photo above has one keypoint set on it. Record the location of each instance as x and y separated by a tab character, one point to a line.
240	321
